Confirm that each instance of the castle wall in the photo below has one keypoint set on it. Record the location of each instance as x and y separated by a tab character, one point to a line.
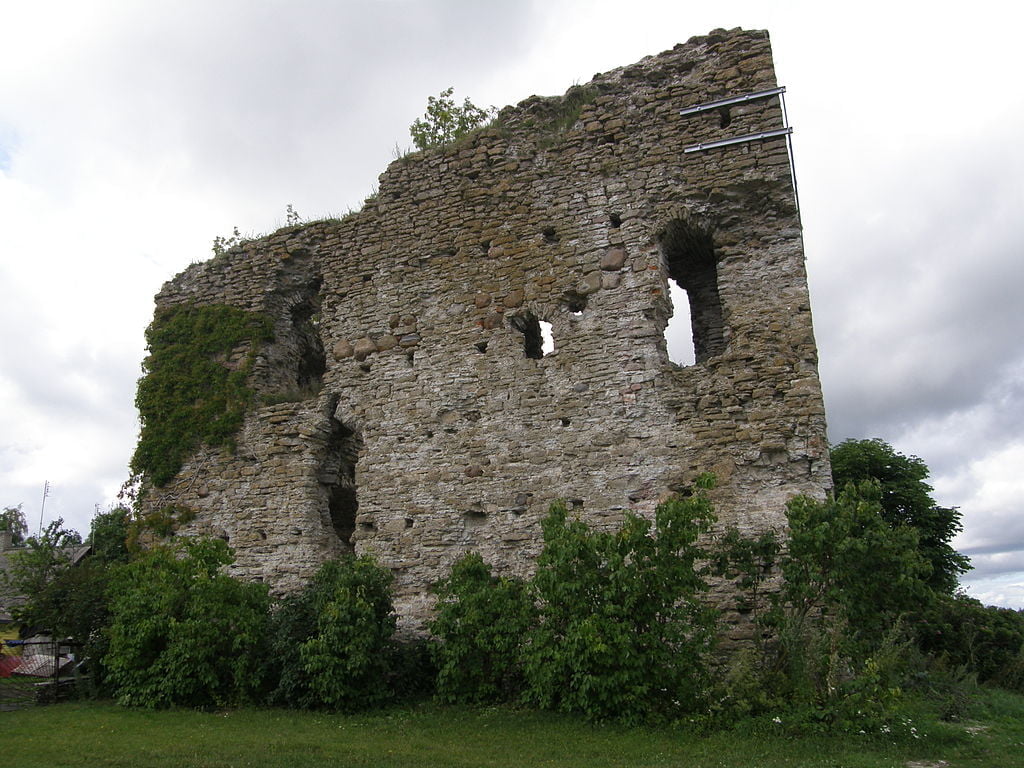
420	420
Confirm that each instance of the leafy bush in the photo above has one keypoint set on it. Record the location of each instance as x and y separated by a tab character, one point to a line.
331	641
832	644
445	121
182	632
844	560
961	633
481	623
623	633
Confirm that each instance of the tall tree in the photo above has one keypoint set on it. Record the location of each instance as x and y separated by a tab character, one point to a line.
906	500
12	520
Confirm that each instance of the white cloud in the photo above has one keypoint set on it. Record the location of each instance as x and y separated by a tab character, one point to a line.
132	134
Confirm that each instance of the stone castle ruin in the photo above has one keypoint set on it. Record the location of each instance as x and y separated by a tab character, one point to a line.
408	406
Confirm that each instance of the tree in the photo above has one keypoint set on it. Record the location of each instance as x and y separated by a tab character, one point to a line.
445	121
905	500
34	569
12	520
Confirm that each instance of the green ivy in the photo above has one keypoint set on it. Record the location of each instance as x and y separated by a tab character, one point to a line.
189	395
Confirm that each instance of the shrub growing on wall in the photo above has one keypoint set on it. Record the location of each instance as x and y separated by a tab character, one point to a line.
191	392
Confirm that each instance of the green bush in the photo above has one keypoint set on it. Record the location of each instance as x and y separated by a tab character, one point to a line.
832	647
331	641
182	632
481	623
623	632
844	560
961	633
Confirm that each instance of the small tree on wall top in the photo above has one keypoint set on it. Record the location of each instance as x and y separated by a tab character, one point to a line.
445	121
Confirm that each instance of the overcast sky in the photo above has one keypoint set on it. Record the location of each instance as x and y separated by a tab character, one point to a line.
133	133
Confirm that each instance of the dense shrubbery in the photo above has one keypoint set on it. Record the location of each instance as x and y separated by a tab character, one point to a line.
182	632
612	625
846	611
483	621
623	631
331	641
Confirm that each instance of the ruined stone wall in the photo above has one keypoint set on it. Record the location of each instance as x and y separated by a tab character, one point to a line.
418	416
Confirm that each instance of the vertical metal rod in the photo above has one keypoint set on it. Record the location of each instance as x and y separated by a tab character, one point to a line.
46	492
789	146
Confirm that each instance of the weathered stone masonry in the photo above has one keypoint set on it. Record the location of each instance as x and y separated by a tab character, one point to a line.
419	416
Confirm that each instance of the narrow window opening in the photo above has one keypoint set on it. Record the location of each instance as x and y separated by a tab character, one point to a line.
537	340
724	117
616	220
312	361
679	331
693	280
547	338
550	236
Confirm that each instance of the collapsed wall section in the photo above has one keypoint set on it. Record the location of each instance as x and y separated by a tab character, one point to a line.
409	407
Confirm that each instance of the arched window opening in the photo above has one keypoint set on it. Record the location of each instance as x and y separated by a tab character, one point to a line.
691	265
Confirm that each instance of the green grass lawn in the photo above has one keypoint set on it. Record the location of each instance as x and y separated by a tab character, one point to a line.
91	734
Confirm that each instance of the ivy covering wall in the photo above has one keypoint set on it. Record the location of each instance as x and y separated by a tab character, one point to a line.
194	387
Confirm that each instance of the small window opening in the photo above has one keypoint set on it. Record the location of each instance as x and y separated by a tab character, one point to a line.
481	346
538	340
575	302
693	281
550	236
616	220
547	338
724	117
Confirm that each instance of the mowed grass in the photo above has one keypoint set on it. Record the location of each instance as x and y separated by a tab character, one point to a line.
91	734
